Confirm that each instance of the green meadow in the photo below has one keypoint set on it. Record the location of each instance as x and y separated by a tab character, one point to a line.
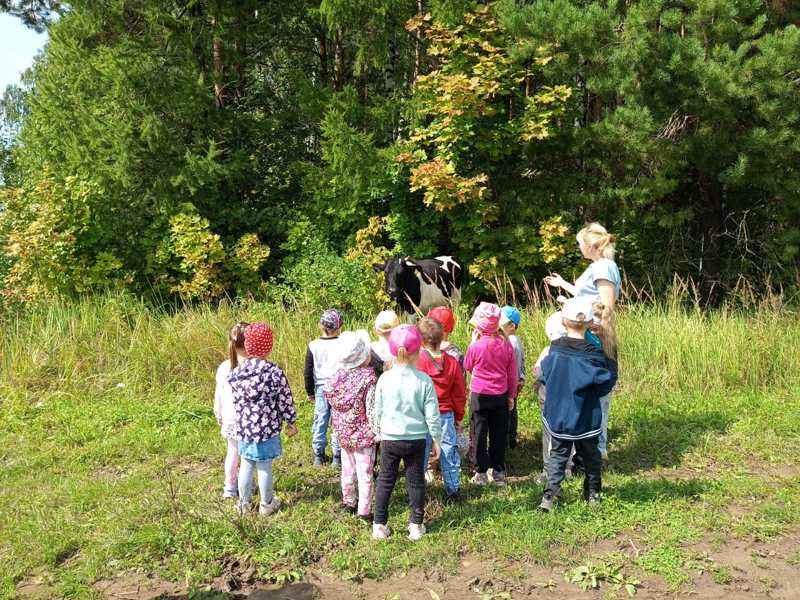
111	459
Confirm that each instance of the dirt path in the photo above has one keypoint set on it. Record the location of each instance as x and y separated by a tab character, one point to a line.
734	569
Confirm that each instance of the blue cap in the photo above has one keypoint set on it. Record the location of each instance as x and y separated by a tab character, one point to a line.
511	314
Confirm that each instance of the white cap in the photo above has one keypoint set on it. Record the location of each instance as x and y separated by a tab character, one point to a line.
354	347
554	328
578	309
386	321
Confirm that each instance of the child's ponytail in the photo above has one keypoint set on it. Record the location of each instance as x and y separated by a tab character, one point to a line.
607	331
402	356
236	343
596	236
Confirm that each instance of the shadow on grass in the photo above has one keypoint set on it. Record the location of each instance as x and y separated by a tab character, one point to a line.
661	438
487	503
649	438
649	490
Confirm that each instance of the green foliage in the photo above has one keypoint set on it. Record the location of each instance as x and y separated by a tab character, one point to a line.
469	128
319	278
608	571
198	254
196	266
478	119
124	101
47	231
684	114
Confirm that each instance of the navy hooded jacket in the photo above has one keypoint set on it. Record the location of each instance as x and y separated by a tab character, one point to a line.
576	375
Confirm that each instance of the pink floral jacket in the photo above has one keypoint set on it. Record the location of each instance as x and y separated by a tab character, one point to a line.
351	394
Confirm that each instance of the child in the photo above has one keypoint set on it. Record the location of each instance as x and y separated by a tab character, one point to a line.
351	395
406	411
576	375
381	357
448	380
224	409
493	387
321	361
553	329
447	320
602	333
263	400
510	319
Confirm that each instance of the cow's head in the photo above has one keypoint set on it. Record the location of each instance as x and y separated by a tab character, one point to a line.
397	272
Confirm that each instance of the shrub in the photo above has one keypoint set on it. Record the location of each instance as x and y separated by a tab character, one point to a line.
321	278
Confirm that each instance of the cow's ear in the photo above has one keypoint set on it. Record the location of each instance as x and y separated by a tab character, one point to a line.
379	267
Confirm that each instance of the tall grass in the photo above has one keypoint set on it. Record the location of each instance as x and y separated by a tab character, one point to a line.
94	345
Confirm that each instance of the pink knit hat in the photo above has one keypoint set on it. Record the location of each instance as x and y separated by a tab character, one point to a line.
486	318
405	336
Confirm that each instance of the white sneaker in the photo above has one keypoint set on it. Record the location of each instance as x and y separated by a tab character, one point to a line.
430	477
271	508
380	532
243	508
479	479
415	532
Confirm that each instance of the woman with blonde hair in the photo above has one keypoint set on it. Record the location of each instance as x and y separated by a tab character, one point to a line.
600	283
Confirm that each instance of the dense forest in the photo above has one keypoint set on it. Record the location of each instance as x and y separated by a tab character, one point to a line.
198	148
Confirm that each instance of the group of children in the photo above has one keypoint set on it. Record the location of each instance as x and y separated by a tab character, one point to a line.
403	398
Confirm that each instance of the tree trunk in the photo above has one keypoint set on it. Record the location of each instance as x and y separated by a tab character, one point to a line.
217	55
239	52
418	47
324	74
339	62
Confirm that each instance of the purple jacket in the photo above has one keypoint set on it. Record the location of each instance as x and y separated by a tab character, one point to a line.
262	399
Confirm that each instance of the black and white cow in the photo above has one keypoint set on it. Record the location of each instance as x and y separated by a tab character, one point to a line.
422	283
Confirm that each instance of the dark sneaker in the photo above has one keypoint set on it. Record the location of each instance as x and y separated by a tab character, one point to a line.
320	460
594	498
499	478
547	503
346	508
367	518
453	498
337	461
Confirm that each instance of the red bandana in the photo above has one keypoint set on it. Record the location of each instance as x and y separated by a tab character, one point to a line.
258	339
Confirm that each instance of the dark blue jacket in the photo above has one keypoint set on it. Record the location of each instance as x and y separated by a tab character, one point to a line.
576	375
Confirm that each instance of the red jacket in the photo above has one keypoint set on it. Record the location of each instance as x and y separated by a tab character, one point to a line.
448	379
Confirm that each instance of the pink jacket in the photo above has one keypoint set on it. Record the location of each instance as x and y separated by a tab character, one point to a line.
493	366
351	394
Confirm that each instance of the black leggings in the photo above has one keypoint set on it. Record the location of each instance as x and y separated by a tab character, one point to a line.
512	427
490	421
412	453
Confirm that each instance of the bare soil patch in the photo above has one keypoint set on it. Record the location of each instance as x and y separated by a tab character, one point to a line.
726	569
